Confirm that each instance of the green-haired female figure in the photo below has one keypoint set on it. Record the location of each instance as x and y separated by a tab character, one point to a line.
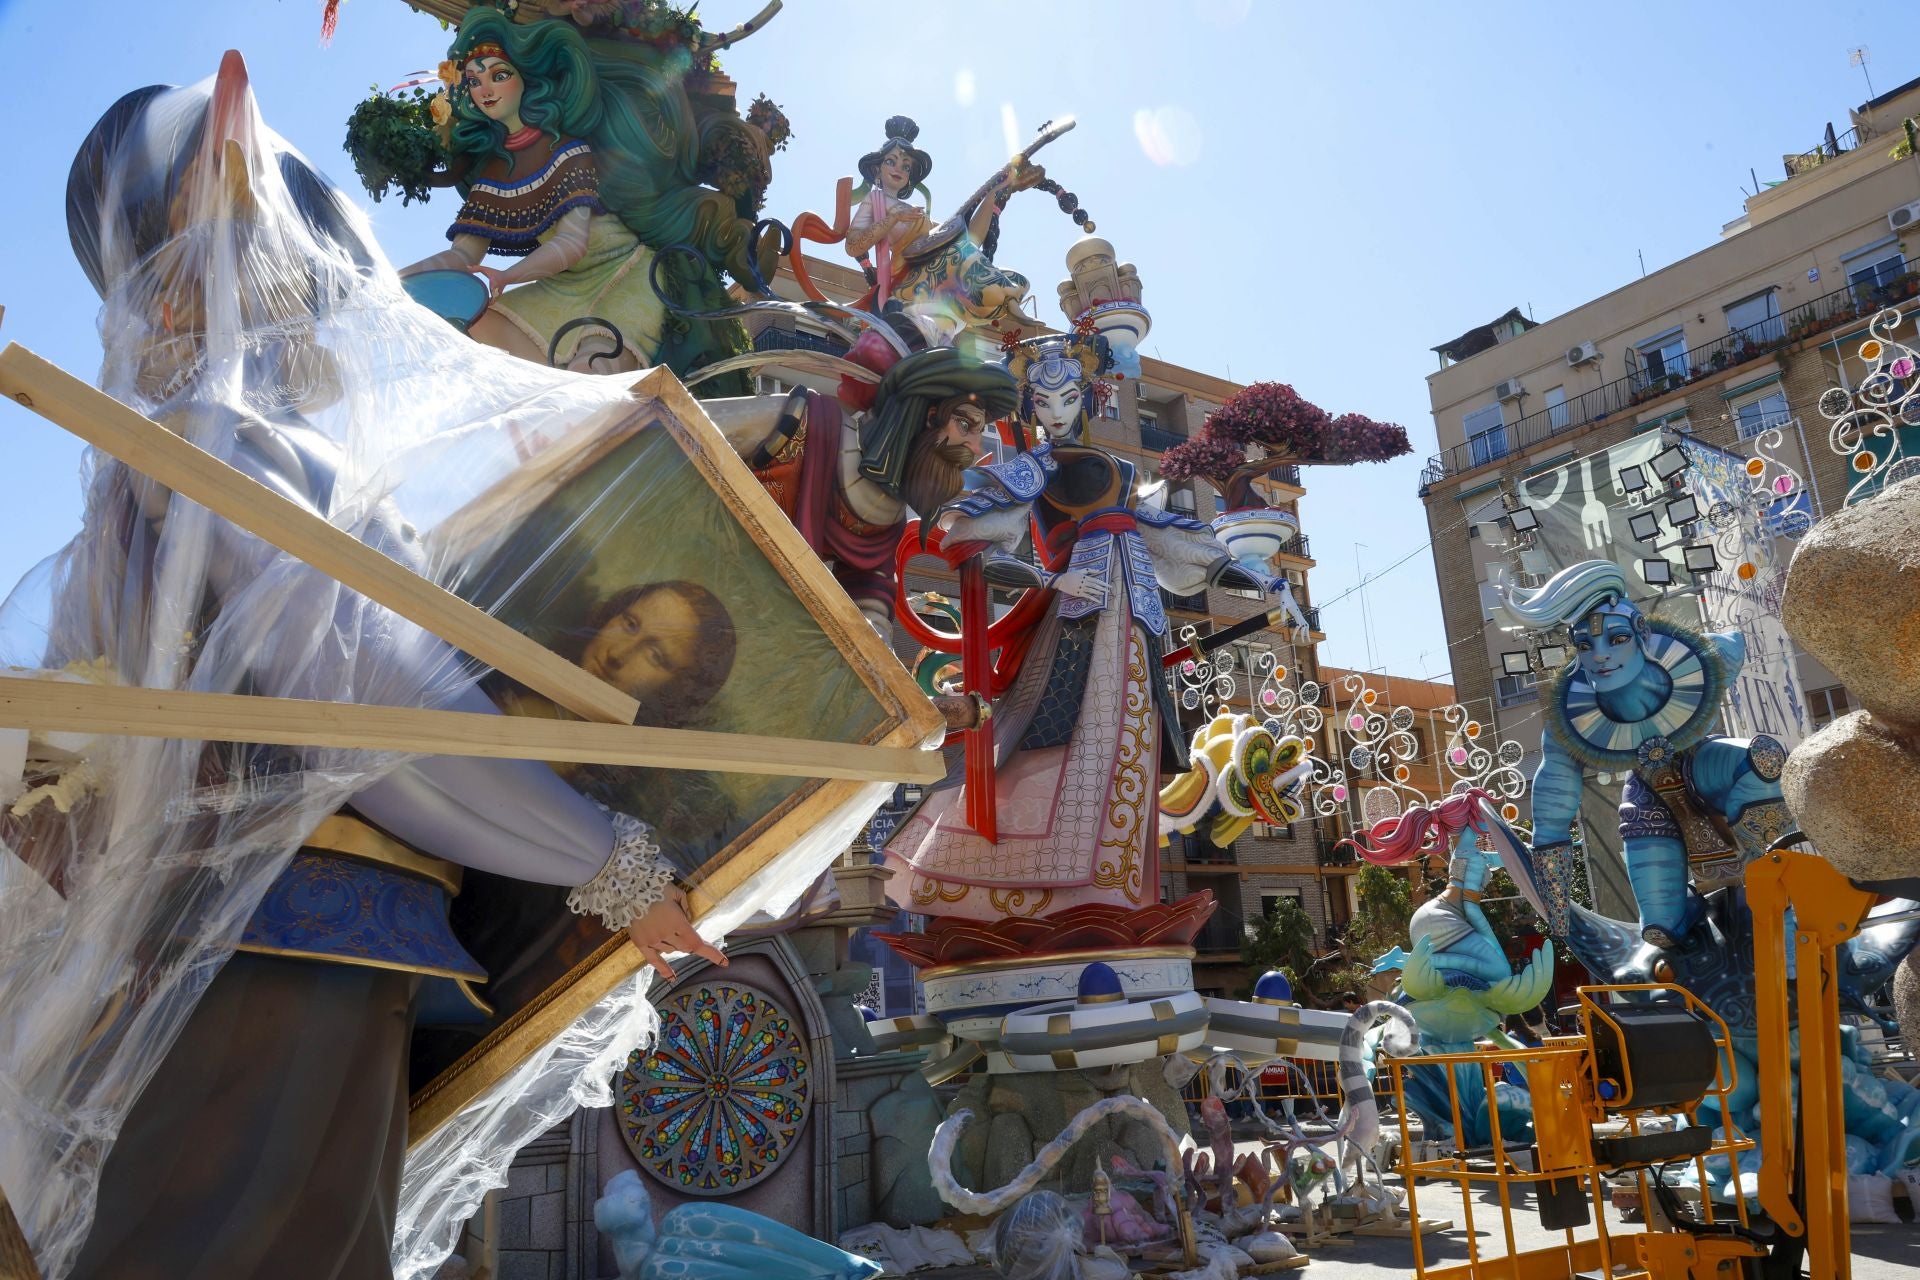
579	165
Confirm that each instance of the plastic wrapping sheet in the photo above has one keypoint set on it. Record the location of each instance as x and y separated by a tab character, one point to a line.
451	1170
448	1175
247	309
1039	1238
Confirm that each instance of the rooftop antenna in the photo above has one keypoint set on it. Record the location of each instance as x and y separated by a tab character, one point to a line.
1859	57
1643	263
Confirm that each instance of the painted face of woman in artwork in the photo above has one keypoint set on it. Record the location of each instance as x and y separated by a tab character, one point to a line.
1058	411
649	647
1611	659
496	89
896	172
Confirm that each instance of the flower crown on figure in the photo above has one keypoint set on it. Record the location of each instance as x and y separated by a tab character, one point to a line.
1050	363
485	49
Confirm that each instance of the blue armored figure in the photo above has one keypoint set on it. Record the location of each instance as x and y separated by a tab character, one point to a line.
1640	698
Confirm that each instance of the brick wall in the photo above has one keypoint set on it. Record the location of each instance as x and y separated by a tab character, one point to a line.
530	1241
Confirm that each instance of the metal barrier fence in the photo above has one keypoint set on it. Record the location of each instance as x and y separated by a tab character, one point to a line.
1321	1086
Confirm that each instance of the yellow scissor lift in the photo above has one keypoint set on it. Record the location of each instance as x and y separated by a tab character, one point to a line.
1655	1050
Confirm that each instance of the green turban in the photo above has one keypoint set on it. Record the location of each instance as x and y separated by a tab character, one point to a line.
910	390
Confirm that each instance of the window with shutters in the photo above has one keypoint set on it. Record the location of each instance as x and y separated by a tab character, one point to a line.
1486	434
1756	318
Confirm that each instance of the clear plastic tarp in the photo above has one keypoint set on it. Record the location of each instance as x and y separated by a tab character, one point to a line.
247	309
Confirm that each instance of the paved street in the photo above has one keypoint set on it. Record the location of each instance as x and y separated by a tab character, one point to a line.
1879	1252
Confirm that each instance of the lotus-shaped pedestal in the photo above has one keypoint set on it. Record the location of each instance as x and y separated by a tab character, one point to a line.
1255	535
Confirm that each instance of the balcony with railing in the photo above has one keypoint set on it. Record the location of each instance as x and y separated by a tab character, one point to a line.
772	338
1298	547
1222	934
1830	147
1652	381
1157	440
1200	852
1195	603
1335	854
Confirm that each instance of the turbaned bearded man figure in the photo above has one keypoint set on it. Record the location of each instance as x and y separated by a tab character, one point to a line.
848	470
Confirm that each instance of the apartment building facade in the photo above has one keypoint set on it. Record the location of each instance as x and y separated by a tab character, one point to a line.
1143	418
1723	348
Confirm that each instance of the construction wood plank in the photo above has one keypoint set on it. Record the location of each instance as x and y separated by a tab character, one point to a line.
197	475
61	706
16	1259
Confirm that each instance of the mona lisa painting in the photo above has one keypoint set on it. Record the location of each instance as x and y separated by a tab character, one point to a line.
641	549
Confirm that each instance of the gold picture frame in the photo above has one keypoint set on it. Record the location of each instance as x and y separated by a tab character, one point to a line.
905	718
892	744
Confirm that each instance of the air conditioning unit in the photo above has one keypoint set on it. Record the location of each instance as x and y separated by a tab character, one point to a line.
1905	217
1582	354
1509	390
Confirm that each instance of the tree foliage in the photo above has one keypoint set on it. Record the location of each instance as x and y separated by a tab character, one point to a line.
1280	426
1282	938
395	144
1382	910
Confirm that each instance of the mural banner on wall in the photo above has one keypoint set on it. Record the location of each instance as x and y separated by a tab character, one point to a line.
1586	512
1743	594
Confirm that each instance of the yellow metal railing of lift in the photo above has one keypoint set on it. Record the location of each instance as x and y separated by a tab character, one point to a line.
1564	1088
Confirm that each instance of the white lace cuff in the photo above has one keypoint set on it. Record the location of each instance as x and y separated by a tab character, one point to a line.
635	877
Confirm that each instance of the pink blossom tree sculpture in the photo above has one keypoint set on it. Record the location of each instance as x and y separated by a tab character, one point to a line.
1280	427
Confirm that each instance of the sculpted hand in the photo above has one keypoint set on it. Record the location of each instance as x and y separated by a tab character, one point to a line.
1300	631
1081	585
496	279
664	928
1027	176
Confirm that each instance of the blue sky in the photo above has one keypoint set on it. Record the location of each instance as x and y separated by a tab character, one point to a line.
1315	194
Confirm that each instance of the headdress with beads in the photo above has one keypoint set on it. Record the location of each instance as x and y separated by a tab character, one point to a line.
1054	361
901	133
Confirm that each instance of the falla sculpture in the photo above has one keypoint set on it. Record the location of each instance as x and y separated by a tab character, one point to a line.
199	928
1640	696
583	143
945	270
1457	983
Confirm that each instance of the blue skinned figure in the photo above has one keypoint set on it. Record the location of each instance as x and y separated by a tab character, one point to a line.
1882	1117
1458	983
703	1240
1639	698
